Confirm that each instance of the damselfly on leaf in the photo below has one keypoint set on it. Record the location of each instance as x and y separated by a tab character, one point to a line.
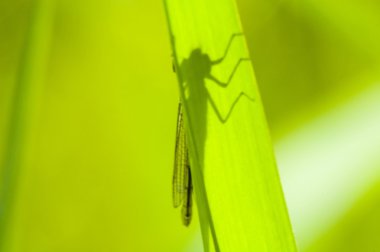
182	185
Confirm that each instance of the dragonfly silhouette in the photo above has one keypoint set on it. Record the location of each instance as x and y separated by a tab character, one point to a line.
195	70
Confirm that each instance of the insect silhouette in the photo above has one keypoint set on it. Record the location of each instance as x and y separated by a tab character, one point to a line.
195	70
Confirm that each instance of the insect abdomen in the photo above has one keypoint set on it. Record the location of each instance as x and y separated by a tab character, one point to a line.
187	210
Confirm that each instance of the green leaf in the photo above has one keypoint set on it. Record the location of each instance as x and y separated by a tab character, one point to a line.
25	108
237	187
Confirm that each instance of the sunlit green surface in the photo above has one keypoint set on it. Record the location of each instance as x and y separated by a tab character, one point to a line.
341	144
24	110
357	230
99	176
232	159
99	173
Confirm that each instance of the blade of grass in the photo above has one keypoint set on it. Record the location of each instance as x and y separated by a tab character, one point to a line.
26	100
238	192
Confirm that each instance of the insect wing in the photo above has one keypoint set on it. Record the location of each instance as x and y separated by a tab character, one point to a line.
181	170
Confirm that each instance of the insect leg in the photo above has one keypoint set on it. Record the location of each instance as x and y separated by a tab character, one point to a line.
217	112
225	84
232	38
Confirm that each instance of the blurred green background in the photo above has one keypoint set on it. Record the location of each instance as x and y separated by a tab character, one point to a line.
88	104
